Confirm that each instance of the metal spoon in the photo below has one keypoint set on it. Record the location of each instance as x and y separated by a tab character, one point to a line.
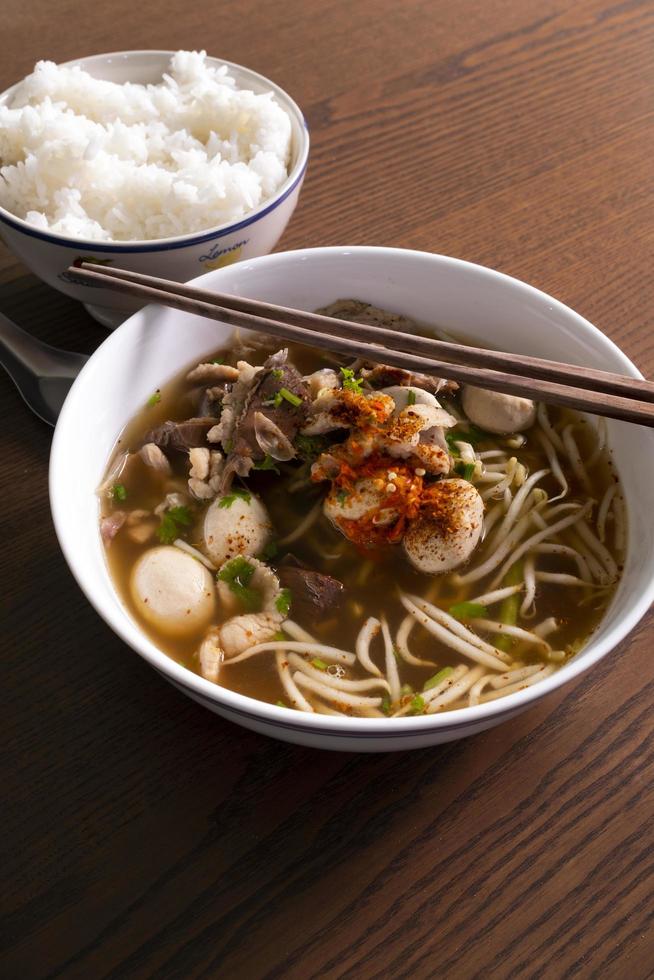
42	374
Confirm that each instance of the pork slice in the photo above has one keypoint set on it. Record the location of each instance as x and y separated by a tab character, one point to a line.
181	436
312	592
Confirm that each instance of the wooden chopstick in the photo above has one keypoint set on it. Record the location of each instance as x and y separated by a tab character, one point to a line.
535	367
318	331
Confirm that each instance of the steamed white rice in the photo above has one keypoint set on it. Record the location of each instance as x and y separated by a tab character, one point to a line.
96	160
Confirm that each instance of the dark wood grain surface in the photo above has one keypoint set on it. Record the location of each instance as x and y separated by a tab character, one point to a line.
144	837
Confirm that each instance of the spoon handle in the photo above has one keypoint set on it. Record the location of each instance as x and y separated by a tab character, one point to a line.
21	352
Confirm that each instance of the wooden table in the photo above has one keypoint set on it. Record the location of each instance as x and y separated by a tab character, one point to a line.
145	837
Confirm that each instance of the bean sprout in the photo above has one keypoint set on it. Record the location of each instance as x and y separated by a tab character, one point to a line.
455	691
367	633
330	694
391	663
603	511
338	683
457	643
401	639
295	696
304	525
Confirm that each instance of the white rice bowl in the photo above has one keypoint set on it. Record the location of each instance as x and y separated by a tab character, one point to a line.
93	159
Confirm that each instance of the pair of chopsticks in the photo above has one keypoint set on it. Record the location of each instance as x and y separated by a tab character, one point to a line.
585	389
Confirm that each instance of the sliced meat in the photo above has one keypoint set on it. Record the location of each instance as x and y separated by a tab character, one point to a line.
213	373
111	524
265	399
382	375
386	376
153	457
210	401
181	436
312	592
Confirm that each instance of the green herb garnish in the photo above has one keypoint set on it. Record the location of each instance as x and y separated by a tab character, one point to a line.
277	374
274	401
279	635
283	602
171	522
341	496
228	445
268	551
386	705
468	610
318	663
350	382
465	470
411	397
229	498
510	606
451	438
281	704
118	491
267	463
154	399
406	690
288	396
310	446
438	678
417	706
218	360
237	574
471	434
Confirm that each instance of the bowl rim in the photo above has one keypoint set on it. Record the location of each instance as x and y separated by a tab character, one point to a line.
292	180
233	703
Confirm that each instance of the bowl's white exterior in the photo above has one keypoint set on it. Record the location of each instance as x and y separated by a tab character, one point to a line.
155	343
50	255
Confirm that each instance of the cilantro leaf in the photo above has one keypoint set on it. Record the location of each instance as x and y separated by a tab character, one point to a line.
283	602
309	447
237	574
268	551
171	522
411	397
154	399
118	492
267	463
350	382
229	498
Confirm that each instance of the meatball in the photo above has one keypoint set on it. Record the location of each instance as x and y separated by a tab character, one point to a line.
496	412
236	524
364	500
173	591
448	528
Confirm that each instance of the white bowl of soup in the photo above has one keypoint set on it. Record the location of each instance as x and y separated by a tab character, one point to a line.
477	569
139	159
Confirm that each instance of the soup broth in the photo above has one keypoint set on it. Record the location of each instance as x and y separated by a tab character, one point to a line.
533	589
